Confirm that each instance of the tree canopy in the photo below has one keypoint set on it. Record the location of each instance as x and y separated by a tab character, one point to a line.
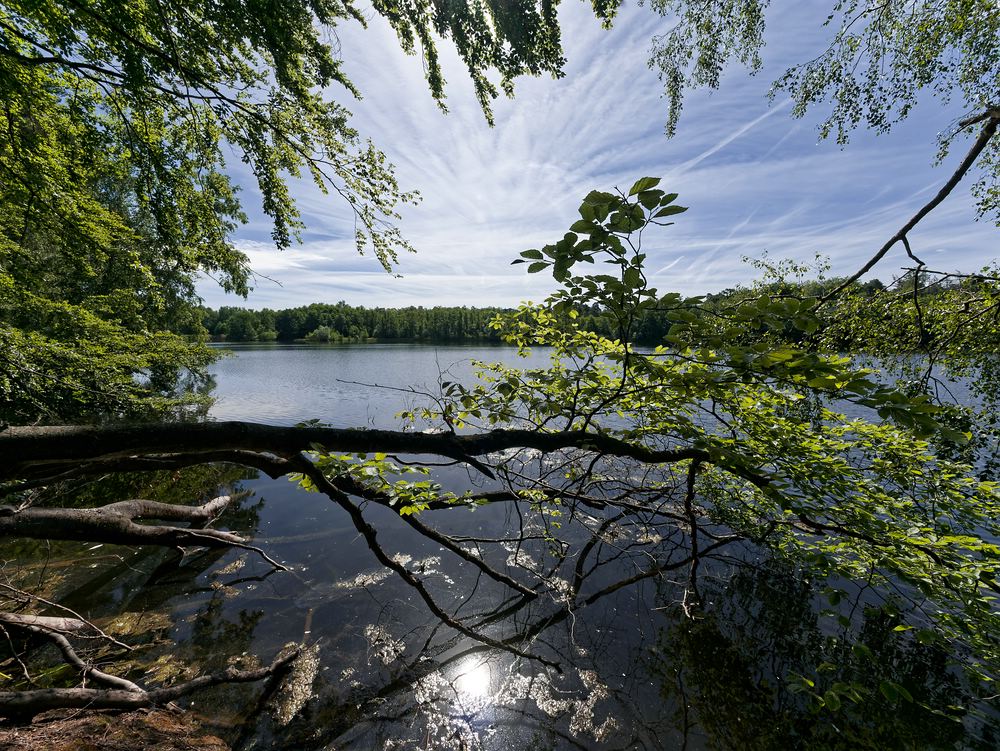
880	60
119	121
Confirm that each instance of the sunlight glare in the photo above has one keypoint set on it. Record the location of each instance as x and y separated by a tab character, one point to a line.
474	679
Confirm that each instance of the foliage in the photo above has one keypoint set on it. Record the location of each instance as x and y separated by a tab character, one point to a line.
766	442
89	282
933	333
384	476
743	662
511	38
118	122
881	59
325	322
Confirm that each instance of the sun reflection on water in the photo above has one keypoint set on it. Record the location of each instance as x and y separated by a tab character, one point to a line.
473	679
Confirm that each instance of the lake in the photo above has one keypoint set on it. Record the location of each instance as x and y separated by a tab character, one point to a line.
621	665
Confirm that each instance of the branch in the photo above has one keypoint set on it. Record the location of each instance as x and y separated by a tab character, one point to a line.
48	622
992	118
77	618
30	451
351	487
370	534
42	475
115	524
993	112
26	704
72	657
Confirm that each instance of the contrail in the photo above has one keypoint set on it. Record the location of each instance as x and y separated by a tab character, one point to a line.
729	139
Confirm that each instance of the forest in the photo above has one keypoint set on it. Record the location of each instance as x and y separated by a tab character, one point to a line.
342	322
321	322
766	517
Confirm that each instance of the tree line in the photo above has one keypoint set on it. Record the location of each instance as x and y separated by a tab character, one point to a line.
325	322
340	322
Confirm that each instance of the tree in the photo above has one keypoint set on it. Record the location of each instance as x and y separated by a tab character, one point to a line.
116	124
880	62
114	142
118	120
692	451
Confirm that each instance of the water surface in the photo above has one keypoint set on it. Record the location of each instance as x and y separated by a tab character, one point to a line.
625	667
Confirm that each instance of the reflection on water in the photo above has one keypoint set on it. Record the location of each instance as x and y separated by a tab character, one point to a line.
283	384
473	679
633	670
621	663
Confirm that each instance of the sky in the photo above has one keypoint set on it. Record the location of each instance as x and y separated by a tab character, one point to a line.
755	180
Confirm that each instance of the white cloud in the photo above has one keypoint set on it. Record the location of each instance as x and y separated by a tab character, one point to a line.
754	178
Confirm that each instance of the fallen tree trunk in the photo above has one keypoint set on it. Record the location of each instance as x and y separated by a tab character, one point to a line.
32	452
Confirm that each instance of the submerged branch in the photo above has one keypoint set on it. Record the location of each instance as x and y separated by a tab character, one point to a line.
115	524
70	655
23	705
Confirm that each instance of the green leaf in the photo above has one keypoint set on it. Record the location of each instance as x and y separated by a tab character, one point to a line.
893	691
643	183
888	689
862	651
599	197
822	382
927	636
650	198
538	266
670	211
531	253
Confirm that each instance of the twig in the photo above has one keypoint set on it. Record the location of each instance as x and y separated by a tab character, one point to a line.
26	704
65	609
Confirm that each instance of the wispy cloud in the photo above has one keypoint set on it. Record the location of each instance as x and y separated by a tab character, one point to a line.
754	179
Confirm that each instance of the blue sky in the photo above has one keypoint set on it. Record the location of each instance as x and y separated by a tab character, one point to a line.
755	179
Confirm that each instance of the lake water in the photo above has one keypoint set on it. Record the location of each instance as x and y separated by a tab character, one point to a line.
344	385
624	667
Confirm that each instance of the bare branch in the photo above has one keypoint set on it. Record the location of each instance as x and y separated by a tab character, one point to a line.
49	622
73	658
115	524
987	133
23	705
